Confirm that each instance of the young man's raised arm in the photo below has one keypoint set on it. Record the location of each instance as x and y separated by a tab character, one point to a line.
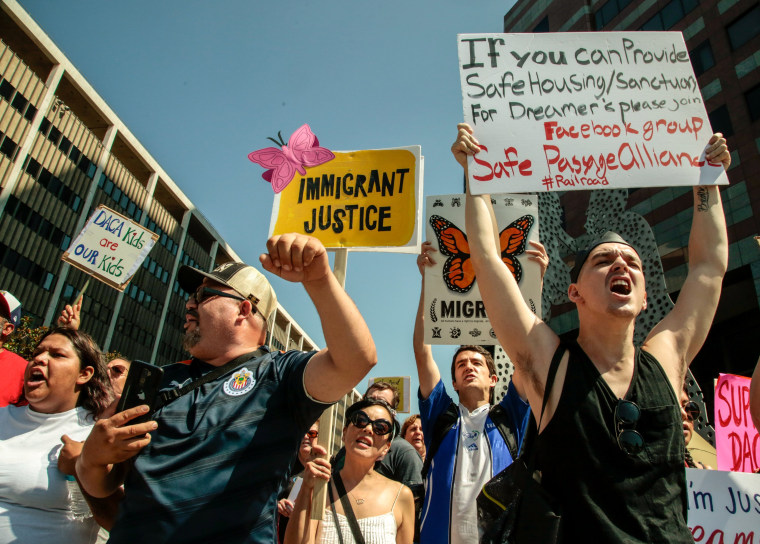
677	339
527	340
350	352
427	369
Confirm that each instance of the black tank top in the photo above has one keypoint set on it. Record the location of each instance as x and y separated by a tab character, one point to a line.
607	495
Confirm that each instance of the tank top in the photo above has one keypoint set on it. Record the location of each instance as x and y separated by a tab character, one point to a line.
606	494
375	529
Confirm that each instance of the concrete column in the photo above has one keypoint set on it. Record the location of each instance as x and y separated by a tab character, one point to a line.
175	267
89	197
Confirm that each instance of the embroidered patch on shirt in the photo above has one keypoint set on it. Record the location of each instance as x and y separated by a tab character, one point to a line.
240	383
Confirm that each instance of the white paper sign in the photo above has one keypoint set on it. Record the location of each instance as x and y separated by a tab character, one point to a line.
583	110
111	247
455	313
723	506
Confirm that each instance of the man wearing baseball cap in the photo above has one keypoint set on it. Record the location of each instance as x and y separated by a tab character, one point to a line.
214	457
12	366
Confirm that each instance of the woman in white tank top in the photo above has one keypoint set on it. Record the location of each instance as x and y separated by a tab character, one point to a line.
384	509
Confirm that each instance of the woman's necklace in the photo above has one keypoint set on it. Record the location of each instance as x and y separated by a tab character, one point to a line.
357	501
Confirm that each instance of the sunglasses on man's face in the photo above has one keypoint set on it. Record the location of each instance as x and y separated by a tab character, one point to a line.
379	426
311	433
117	371
692	410
204	293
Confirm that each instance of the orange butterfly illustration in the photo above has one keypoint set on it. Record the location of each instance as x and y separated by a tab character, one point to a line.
452	242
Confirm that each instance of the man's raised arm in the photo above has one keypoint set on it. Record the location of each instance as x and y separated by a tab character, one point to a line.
350	352
677	339
525	338
427	369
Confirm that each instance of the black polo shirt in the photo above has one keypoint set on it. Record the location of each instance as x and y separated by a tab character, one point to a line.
213	468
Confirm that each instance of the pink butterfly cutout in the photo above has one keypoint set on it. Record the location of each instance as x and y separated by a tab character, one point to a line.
302	150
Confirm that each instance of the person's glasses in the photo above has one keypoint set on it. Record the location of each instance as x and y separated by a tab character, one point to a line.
311	433
692	410
379	426
627	414
116	371
204	293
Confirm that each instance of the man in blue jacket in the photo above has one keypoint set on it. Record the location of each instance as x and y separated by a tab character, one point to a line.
467	443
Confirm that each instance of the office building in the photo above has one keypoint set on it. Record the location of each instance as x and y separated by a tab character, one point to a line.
63	152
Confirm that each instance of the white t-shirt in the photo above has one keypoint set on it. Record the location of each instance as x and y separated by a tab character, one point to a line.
473	470
33	494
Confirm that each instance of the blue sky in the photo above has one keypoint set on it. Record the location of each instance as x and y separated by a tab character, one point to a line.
202	84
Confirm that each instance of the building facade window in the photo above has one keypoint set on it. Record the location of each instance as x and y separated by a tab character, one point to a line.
668	16
752	98
542	26
743	29
702	58
720	121
609	11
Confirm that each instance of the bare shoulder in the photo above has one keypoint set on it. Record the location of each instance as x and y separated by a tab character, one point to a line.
405	498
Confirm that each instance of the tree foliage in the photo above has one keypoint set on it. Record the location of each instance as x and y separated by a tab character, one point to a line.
25	338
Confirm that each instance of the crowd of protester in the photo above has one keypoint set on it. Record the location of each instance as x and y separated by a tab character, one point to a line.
231	452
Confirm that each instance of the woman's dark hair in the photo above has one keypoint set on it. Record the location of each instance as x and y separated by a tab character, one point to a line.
95	395
365	403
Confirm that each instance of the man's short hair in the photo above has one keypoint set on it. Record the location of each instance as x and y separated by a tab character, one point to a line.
477	349
384	386
608	237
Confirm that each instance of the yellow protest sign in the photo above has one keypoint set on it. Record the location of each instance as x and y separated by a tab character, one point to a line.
402	385
359	199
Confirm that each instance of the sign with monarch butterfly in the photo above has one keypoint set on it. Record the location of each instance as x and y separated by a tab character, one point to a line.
455	313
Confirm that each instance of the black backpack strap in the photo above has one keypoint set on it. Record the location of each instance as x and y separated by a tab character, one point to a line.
553	366
561	348
347	510
505	425
442	425
165	397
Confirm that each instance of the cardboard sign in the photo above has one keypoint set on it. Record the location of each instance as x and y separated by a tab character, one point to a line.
111	247
736	437
360	199
723	506
403	386
583	110
455	313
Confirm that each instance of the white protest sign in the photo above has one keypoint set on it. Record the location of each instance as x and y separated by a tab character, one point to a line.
583	110
111	247
454	310
723	506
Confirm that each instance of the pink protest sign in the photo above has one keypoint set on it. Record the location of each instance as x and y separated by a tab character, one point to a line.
737	441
